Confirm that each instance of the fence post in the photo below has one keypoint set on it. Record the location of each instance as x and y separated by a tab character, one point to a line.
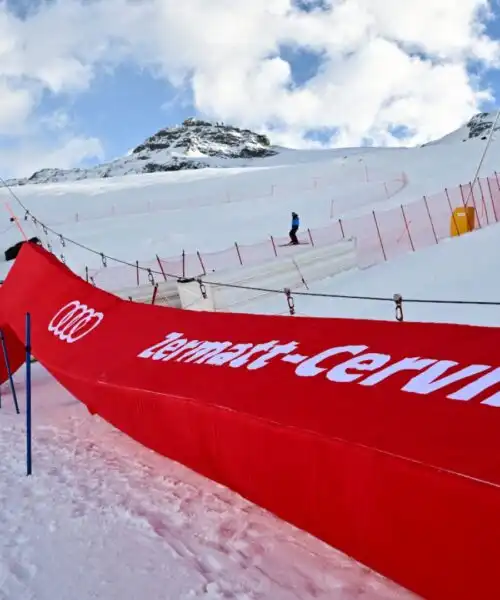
484	201
492	200
86	274
9	371
274	247
379	236
183	264
462	195
155	292
137	272
341	229
238	252
407	228
201	262
452	213
475	205
310	237
28	395
161	267
430	219
16	221
302	278
498	182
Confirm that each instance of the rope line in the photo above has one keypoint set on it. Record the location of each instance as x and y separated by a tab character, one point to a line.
46	228
201	281
349	297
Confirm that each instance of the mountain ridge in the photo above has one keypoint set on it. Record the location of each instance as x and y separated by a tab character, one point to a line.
477	127
199	144
195	144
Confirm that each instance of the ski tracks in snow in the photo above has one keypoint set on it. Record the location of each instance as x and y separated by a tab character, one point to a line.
103	517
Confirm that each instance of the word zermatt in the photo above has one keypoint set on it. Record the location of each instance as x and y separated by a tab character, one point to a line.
432	374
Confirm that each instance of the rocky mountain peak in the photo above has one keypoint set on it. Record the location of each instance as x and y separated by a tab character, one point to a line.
480	125
203	138
195	144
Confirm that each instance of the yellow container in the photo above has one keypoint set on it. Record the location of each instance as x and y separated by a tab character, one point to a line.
462	220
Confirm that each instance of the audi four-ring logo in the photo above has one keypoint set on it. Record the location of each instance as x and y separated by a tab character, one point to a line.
74	321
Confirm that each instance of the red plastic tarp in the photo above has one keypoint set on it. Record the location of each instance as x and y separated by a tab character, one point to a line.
381	438
14	349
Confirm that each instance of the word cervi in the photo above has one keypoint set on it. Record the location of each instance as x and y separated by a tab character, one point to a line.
432	374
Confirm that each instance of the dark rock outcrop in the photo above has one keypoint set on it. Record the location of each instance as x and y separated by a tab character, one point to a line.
196	144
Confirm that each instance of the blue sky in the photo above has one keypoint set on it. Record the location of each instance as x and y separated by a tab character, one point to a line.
122	108
320	100
492	76
126	105
129	104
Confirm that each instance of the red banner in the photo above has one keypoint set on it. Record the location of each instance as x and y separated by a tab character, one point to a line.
14	348
379	437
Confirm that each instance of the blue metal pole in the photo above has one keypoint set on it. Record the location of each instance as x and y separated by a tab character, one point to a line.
28	394
9	371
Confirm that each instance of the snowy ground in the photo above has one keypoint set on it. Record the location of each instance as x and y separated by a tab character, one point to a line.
458	269
139	216
104	518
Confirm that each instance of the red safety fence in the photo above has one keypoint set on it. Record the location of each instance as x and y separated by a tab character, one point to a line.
94	207
380	235
380	438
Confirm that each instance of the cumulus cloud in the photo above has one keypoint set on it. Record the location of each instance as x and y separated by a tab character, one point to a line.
32	154
383	65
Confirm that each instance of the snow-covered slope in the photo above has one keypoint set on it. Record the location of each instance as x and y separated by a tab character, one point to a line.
103	518
138	216
199	144
458	270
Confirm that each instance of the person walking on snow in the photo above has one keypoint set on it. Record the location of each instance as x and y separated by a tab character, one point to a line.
295	227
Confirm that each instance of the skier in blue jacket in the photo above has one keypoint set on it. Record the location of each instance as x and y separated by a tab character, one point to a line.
295	227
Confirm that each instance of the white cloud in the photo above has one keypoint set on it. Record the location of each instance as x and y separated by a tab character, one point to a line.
16	105
371	78
31	155
385	63
58	120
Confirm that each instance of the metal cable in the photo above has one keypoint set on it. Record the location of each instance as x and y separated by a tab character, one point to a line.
483	156
350	297
74	242
243	287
